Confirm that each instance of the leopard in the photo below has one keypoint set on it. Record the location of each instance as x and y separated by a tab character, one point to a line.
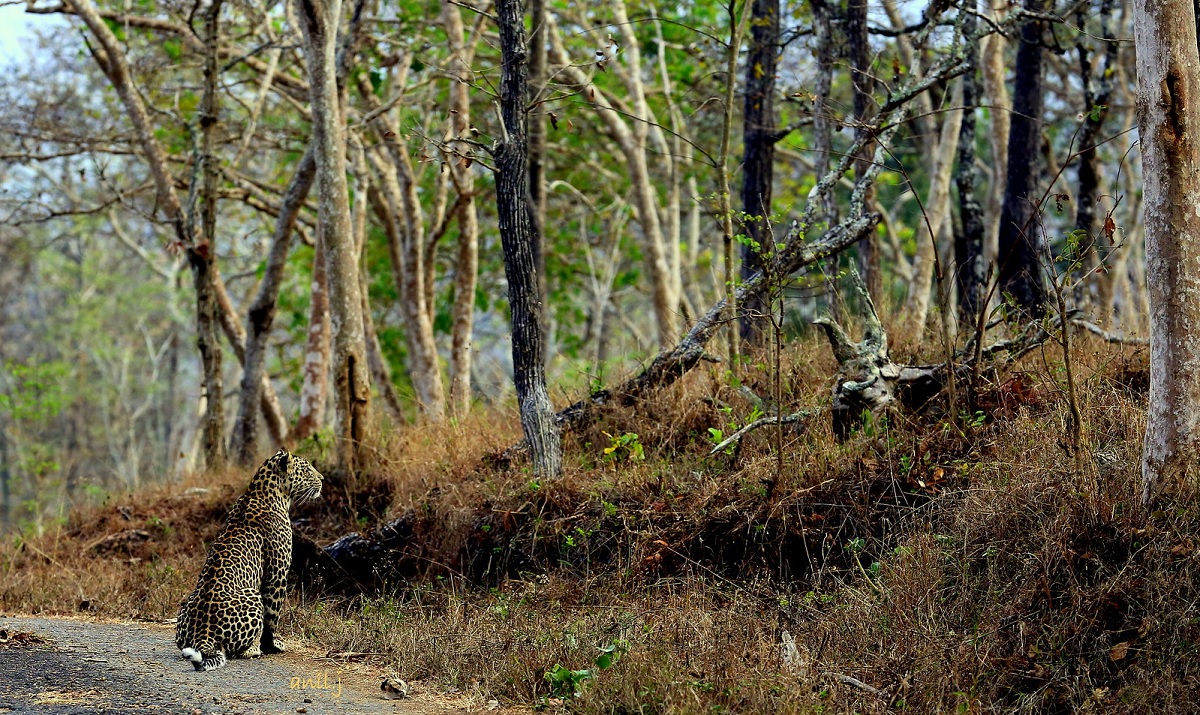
234	610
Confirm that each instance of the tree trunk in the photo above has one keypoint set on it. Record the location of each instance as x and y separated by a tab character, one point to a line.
971	270
996	97
1095	109
823	119
188	236
633	145
351	381
467	266
936	209
517	238
262	310
1169	126
859	49
404	221
316	354
758	158
1019	257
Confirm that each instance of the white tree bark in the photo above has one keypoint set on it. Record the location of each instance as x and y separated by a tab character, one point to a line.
937	208
1168	104
632	141
467	265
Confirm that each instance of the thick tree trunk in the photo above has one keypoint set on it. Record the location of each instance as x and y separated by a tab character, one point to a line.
1169	124
351	382
262	310
971	271
466	267
1019	241
517	238
758	158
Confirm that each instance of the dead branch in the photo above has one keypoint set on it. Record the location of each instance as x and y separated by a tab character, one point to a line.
763	422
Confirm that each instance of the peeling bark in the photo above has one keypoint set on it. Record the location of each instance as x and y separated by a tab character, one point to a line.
1169	122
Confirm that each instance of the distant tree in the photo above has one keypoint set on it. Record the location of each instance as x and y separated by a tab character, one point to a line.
518	238
1169	126
758	154
1018	256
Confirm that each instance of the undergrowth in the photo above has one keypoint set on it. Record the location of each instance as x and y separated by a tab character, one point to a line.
925	564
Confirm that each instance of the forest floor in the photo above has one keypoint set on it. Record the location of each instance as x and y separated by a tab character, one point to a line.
951	561
65	665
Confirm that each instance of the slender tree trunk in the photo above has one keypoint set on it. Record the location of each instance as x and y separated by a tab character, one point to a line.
937	208
861	80
204	262
351	381
316	354
1019	258
968	242
537	143
406	235
758	158
724	193
632	142
188	236
517	239
1169	124
1095	109
996	97
262	310
467	266
823	120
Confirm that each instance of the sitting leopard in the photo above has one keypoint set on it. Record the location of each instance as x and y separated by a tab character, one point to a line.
235	606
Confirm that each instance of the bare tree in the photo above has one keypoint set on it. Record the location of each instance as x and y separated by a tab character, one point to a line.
1169	123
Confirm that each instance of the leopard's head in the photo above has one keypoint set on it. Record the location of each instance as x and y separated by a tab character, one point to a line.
300	480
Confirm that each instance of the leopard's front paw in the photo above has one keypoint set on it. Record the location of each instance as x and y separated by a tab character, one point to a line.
251	652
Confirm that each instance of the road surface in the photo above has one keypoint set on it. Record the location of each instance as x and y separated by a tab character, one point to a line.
53	666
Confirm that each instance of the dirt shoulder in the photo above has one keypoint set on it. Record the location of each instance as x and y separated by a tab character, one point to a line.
59	666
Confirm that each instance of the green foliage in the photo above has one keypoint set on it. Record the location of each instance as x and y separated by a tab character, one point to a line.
567	683
624	447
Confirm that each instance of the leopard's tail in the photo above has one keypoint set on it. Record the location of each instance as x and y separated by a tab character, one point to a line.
212	662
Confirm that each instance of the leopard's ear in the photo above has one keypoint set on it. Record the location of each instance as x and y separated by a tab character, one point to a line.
284	457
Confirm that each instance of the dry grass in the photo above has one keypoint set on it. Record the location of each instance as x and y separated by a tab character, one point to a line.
950	569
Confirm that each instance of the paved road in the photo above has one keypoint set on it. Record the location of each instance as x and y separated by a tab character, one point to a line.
81	667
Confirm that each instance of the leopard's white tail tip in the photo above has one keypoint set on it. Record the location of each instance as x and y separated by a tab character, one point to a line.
199	662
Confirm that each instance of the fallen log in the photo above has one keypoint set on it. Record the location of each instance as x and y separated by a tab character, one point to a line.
869	382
